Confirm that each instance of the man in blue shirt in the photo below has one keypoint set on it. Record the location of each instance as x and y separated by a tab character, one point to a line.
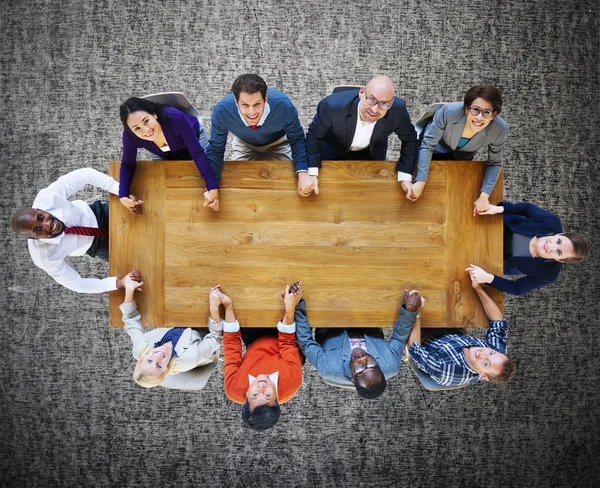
456	360
265	126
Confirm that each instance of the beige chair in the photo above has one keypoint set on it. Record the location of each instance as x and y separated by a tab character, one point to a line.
424	119
195	379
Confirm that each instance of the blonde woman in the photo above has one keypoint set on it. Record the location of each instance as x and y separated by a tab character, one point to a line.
164	351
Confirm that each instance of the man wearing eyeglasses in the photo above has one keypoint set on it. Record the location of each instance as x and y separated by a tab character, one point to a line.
357	357
355	125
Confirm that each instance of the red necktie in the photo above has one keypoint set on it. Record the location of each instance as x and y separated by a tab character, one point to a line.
254	127
87	231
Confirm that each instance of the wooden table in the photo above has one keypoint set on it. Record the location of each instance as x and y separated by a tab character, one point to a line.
356	246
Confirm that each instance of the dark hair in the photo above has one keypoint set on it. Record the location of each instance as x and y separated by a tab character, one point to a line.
488	92
509	368
135	104
580	246
262	417
372	390
249	83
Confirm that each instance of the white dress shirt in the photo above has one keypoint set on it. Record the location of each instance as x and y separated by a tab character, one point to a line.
49	254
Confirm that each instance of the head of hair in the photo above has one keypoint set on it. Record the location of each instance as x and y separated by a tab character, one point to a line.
509	368
580	246
17	222
150	381
487	92
262	417
372	390
249	83
135	104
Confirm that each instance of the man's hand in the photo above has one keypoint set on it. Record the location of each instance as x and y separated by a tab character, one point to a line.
305	184
211	199
492	210
412	300
132	281
132	204
135	275
479	274
214	299
315	180
474	284
481	204
292	296
407	188
417	189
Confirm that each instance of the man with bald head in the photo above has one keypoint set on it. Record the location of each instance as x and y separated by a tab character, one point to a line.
355	124
57	227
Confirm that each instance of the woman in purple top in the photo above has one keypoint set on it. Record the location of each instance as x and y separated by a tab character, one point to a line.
168	133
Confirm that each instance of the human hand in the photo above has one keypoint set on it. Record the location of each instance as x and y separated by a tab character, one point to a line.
292	296
481	204
474	282
132	204
305	184
417	189
211	199
479	274
493	209
407	188
315	180
412	300
132	281
422	306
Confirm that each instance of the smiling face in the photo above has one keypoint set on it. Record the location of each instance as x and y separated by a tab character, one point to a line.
37	224
364	368
261	391
478	123
379	90
144	125
486	361
252	106
556	247
156	360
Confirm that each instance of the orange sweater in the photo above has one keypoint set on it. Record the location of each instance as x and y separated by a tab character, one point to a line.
266	355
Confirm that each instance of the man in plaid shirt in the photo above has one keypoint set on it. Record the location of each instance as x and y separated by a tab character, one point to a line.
456	360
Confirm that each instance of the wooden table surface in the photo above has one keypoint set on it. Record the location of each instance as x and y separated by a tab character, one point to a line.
356	246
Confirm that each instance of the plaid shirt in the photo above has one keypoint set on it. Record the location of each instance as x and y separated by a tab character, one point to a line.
443	359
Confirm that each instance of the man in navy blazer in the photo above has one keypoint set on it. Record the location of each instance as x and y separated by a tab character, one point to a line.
357	357
355	125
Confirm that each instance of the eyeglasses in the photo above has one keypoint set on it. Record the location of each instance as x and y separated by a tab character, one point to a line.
373	101
359	368
487	113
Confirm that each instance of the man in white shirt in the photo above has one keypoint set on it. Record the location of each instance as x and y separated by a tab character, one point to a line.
52	213
355	125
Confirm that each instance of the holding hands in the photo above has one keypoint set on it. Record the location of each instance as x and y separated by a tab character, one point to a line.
492	209
307	184
413	302
132	204
131	282
211	199
479	275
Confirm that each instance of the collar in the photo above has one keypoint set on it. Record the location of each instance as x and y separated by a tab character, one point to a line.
265	114
274	377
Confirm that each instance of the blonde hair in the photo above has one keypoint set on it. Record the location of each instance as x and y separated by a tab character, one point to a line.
150	381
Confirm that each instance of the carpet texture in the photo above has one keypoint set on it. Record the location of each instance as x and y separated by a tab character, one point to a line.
70	414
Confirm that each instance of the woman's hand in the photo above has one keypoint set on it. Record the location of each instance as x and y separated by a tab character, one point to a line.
479	275
492	210
211	199
482	204
417	189
132	204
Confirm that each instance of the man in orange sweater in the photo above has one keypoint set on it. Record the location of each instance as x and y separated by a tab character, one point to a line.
270	372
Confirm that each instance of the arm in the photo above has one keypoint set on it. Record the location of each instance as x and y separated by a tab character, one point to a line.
404	323
494	163
131	316
318	128
295	135
489	307
232	356
216	144
528	210
433	133
311	348
127	169
496	335
187	133
69	184
65	275
408	136
210	344
521	286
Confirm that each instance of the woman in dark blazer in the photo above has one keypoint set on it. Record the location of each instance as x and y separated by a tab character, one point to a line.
534	245
458	130
168	133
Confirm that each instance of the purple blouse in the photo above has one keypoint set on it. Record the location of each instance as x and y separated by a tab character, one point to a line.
181	131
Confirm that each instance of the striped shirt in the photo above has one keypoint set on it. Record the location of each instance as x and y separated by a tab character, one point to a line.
443	358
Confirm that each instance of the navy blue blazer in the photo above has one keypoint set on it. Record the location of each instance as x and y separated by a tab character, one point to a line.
332	360
331	132
526	218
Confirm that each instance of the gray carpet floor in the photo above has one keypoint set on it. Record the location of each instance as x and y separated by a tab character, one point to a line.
71	416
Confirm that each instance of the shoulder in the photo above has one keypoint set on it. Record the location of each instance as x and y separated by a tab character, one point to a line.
226	104
499	125
340	101
452	110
